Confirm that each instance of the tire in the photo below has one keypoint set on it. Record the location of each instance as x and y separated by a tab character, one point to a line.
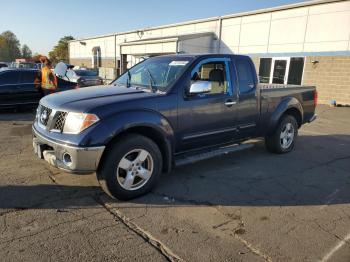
288	128
130	167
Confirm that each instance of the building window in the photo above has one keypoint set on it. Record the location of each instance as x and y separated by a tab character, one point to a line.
265	70
296	68
281	70
96	57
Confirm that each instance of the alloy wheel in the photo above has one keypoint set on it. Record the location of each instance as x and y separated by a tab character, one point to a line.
287	135
135	169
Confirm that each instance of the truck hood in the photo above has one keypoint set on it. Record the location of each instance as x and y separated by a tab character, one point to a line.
83	99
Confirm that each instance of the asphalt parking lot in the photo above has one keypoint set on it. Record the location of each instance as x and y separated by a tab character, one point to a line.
245	206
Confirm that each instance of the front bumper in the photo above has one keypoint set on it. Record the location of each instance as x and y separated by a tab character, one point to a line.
69	158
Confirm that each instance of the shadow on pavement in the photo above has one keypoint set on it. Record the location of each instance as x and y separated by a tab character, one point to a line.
24	114
316	173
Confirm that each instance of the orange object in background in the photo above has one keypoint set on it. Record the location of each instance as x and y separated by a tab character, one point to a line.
48	78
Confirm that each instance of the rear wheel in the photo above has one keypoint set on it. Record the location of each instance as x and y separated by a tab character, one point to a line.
130	167
284	137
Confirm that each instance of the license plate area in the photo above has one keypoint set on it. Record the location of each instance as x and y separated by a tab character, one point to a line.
40	148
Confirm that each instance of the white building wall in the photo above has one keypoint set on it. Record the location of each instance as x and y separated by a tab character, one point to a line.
82	51
315	28
319	28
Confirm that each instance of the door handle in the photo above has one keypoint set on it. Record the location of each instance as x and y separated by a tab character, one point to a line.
251	86
230	103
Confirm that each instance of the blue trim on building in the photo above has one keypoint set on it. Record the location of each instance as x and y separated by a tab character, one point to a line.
336	53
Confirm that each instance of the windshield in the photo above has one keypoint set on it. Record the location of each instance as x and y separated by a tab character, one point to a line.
157	73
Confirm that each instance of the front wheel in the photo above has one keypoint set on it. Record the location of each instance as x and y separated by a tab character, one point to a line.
130	167
284	137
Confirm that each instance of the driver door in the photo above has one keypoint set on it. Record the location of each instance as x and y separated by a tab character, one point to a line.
209	118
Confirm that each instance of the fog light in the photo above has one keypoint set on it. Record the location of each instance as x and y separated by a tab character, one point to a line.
67	159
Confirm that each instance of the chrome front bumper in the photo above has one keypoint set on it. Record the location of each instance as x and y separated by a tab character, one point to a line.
69	158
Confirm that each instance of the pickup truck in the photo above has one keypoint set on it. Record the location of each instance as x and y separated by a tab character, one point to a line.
164	112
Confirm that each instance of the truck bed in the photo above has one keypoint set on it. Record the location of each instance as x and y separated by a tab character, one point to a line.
271	95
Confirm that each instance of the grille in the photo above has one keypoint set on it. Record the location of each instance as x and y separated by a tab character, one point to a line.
60	119
44	114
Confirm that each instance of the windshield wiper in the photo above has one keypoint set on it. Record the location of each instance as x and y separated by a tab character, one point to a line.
151	82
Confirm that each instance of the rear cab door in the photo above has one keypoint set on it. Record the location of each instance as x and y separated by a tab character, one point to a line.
248	110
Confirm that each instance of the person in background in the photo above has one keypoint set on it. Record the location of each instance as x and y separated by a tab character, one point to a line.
48	79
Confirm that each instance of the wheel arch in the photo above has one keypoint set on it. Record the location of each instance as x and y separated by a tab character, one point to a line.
147	124
288	106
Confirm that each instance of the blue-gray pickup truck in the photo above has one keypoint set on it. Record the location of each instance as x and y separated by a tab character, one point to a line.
164	112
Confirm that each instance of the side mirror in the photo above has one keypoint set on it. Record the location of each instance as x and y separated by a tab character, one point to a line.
200	87
61	70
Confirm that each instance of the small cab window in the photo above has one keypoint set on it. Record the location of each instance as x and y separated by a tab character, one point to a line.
10	77
214	72
245	75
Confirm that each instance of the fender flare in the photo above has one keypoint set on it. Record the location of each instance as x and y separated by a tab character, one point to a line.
285	105
124	122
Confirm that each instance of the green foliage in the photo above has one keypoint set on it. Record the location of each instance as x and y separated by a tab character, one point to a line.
9	47
26	52
60	51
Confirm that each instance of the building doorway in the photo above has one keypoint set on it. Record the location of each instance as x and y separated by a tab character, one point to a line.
96	57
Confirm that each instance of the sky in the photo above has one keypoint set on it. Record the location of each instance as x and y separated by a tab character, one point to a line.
41	23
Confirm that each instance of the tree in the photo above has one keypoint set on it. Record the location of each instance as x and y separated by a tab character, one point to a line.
9	47
60	51
4	51
26	52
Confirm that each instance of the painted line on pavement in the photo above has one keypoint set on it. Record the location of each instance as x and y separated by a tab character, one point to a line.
340	244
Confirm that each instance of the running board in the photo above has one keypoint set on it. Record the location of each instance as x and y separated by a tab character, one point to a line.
190	159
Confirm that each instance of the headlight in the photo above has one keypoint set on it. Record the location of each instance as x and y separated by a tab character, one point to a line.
77	122
37	112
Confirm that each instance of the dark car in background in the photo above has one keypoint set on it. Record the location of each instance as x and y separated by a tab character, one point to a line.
3	64
22	87
84	77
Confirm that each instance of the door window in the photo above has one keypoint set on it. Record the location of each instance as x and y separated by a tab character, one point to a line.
245	75
215	72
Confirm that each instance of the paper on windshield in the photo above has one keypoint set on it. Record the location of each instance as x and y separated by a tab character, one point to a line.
178	63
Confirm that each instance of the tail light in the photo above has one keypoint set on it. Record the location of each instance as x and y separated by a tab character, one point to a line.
315	97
